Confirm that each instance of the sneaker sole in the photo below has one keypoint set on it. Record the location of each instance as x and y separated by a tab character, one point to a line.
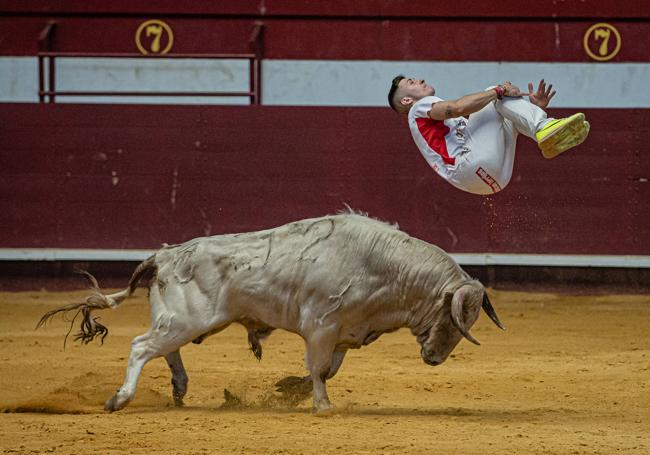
574	120
573	134
577	138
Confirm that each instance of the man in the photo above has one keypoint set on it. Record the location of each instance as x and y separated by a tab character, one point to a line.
470	142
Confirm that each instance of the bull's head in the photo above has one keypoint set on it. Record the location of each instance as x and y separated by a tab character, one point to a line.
457	314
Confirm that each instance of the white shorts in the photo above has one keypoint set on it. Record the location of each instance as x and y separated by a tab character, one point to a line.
492	136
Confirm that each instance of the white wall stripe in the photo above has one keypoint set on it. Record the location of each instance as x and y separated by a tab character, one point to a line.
326	82
65	254
551	260
476	259
366	83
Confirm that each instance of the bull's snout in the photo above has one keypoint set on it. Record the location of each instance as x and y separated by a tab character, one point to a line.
431	358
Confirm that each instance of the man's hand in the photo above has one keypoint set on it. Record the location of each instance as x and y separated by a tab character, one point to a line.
511	90
543	95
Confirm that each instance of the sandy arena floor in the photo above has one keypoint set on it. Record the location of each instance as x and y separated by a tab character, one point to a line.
571	375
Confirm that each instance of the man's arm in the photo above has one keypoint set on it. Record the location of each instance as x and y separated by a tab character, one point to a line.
470	103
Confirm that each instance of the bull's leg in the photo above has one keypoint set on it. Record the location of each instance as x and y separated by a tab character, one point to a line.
142	350
302	386
165	336
320	350
179	376
337	361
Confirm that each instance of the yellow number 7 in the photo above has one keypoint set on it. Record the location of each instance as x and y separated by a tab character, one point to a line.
156	30
602	33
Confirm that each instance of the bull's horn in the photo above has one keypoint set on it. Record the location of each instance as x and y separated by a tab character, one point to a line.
487	307
457	317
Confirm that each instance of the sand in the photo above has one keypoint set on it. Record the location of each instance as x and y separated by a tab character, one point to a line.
570	375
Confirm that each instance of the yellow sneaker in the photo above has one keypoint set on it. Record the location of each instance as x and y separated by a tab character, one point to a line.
562	134
569	142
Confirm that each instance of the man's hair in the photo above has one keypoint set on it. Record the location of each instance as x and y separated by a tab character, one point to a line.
393	88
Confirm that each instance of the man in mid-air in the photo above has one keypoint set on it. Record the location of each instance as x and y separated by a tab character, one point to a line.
470	141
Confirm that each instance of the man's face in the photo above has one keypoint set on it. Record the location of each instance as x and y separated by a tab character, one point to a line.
411	90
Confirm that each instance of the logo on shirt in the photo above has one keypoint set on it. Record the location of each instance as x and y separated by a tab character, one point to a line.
460	129
488	179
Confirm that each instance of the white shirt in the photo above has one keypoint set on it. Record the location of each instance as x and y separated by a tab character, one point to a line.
441	142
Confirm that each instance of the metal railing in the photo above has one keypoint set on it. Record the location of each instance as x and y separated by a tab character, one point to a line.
46	56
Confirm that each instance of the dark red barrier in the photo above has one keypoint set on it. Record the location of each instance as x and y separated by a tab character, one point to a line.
107	176
354	37
338	8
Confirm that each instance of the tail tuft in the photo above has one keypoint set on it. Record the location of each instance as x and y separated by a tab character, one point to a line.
90	328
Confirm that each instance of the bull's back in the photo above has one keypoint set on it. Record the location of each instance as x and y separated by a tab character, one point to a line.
299	271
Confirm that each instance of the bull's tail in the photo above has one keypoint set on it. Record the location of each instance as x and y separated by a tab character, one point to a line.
90	328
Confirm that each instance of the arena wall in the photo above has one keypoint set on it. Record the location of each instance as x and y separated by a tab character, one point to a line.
98	176
110	176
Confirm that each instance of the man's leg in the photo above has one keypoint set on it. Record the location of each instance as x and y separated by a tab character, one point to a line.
553	136
527	118
489	164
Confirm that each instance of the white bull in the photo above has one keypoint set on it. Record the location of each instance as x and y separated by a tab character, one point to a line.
338	281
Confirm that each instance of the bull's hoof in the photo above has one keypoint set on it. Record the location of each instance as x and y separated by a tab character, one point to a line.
256	349
115	403
322	409
178	392
178	402
111	404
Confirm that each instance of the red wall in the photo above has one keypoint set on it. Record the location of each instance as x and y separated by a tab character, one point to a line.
101	176
463	30
336	8
104	176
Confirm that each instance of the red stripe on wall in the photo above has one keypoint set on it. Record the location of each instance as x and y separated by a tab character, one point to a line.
347	39
345	8
101	176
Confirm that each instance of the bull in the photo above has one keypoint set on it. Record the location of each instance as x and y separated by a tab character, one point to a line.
339	282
